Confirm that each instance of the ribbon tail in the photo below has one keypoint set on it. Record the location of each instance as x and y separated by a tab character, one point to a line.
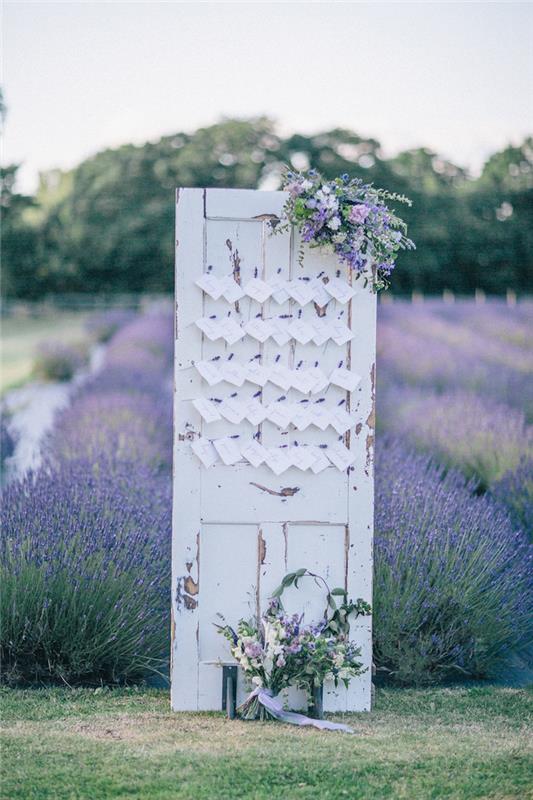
275	708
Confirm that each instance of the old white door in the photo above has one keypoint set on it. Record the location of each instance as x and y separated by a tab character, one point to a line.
238	529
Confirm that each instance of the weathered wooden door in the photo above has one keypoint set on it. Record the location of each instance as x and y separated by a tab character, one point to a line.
237	529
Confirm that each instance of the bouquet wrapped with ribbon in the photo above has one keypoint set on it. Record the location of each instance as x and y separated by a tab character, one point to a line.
279	650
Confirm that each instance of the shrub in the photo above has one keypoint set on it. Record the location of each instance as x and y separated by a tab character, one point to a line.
151	333
452	590
56	361
123	414
479	349
115	427
515	493
482	438
103	325
85	561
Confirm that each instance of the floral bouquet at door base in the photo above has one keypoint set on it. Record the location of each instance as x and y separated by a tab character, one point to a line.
350	218
278	651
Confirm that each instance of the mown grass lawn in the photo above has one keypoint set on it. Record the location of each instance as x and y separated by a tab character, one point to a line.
438	743
21	335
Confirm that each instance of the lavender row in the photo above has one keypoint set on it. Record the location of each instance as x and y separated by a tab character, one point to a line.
85	557
452	584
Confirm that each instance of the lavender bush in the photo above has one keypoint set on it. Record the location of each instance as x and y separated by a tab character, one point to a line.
482	438
452	593
515	493
115	427
84	564
85	554
103	325
446	348
57	361
124	413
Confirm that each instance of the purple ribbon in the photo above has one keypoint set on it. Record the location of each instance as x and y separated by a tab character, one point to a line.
275	708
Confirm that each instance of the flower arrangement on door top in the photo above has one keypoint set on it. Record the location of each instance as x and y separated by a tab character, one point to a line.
349	217
278	651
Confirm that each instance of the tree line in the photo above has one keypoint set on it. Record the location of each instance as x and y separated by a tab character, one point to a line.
107	225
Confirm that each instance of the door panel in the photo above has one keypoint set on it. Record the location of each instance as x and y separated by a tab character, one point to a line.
237	530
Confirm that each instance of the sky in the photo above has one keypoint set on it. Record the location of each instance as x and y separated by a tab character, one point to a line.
79	77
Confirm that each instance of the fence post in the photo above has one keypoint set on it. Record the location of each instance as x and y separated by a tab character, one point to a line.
479	297
448	297
510	296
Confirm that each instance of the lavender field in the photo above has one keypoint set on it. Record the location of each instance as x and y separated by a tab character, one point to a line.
86	538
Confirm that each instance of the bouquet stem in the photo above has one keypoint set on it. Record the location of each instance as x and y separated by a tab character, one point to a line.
317	701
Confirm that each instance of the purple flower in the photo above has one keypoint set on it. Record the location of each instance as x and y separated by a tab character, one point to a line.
253	650
358	214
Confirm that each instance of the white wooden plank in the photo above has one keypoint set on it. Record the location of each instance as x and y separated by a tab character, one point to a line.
361	495
243	203
229	574
186	473
262	496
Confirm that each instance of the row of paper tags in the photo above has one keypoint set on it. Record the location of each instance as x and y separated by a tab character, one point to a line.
307	381
303	290
305	457
280	412
280	329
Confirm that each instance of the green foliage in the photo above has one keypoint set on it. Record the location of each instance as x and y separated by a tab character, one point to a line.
336	616
57	361
108	224
21	241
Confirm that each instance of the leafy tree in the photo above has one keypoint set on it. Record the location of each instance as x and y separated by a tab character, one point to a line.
20	240
107	225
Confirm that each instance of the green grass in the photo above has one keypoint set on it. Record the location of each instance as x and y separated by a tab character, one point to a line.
431	743
21	335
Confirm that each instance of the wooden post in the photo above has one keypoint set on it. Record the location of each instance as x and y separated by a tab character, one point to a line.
448	297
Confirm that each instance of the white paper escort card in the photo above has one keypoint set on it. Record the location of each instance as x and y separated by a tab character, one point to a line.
340	290
205	451
228	450
284	372
311	380
231	450
258	290
206	409
279	289
301	290
210	284
231	291
320	295
280	412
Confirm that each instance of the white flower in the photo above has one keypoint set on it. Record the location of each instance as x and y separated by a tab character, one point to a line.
345	673
257	680
339	238
334	223
306	185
